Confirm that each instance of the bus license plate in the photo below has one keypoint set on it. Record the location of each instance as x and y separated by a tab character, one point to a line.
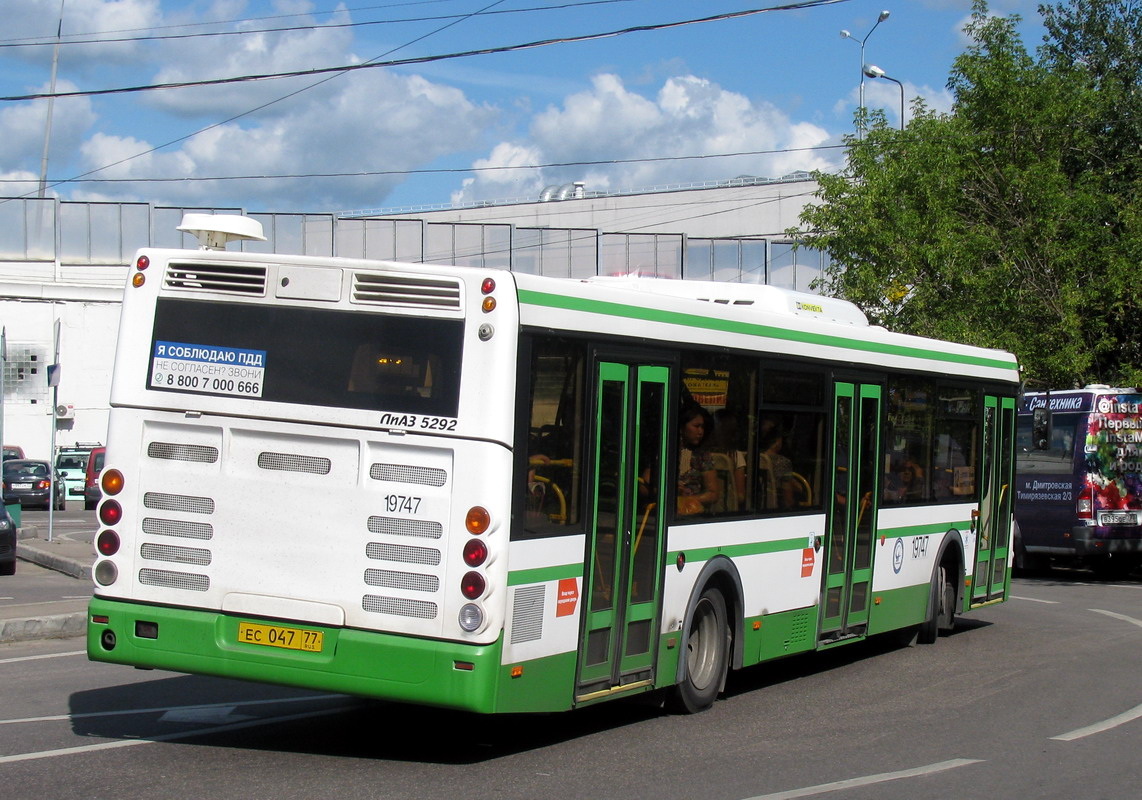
277	636
1119	519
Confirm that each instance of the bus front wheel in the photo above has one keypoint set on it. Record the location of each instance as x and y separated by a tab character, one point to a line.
707	649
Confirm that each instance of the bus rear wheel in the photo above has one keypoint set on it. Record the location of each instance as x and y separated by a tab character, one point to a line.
706	653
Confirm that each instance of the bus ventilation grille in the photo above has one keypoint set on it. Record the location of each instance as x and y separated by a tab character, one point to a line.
199	453
527	614
177	502
182	529
231	278
174	580
175	554
421	528
288	462
399	473
408	581
399	606
406	291
403	554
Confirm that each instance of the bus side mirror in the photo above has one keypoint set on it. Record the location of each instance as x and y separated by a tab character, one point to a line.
1041	429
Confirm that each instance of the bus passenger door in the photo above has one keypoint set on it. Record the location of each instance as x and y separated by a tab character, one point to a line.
993	518
623	572
851	524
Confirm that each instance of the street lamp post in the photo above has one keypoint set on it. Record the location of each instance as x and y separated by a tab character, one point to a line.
873	71
846	35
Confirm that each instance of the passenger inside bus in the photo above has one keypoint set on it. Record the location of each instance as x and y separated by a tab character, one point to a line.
905	481
697	476
776	470
729	460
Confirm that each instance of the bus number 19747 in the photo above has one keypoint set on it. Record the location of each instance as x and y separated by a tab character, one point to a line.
400	504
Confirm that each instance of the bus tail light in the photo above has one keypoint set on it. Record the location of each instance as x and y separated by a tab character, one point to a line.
1084	507
112	481
105	573
473	585
471	617
107	543
110	513
475	552
478	520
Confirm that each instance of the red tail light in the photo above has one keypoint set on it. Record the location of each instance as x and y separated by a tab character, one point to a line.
1084	507
475	552
473	585
110	513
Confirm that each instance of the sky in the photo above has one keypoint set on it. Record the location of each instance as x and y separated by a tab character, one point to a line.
762	94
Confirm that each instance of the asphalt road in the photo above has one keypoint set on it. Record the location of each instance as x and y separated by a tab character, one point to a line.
1039	697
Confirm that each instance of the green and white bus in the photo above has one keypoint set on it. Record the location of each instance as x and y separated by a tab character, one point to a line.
500	492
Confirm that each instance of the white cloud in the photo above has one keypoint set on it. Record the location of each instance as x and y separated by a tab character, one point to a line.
220	57
23	127
40	19
382	122
688	116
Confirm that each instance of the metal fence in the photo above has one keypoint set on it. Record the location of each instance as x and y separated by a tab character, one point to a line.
51	239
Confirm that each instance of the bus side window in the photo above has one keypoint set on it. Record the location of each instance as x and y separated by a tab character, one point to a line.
554	436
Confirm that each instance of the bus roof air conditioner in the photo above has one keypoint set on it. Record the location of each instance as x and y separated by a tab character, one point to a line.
215	231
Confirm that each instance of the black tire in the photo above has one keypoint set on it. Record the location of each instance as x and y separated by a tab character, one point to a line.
707	651
8	569
939	608
88	505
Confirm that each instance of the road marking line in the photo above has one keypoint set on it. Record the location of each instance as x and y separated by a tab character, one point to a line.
1122	617
167	709
1099	727
166	737
870	780
37	658
1034	600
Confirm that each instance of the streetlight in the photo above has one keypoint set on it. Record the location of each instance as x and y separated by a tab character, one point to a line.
873	71
846	35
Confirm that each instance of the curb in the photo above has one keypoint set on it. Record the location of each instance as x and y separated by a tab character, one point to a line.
56	626
54	561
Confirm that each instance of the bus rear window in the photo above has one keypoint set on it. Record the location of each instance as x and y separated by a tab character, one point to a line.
307	356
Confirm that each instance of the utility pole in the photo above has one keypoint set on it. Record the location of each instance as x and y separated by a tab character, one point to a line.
51	103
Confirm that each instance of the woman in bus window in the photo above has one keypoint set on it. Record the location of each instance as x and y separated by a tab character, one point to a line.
697	478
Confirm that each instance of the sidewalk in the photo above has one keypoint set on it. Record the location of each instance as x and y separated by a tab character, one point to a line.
72	555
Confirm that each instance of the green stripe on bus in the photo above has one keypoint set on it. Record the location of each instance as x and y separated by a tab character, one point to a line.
740	550
544	574
927	529
548	300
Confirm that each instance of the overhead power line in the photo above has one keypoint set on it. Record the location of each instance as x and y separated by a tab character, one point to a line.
97	38
427	59
450	170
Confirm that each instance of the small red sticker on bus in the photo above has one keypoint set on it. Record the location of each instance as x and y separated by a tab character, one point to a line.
568	597
807	562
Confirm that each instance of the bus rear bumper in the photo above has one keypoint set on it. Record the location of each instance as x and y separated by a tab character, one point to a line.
356	662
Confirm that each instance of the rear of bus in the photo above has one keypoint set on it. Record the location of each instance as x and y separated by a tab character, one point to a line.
308	474
1079	479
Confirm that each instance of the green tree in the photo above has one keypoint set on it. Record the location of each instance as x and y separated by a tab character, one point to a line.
1003	223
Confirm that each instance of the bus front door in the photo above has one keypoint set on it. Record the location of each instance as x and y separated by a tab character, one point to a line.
851	525
623	573
993	518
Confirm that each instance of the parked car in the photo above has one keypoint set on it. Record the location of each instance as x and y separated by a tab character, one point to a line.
13	451
71	463
7	543
31	484
91	491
